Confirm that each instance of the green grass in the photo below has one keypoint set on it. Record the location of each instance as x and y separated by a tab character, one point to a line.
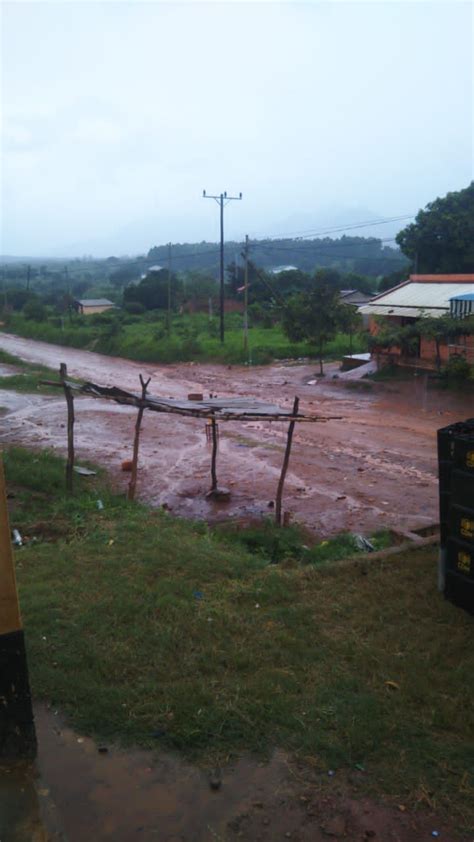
192	338
294	543
153	631
27	379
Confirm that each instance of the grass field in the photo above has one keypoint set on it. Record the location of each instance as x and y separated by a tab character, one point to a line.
153	631
192	338
26	379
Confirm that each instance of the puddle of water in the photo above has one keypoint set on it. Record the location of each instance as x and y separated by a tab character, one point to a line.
123	796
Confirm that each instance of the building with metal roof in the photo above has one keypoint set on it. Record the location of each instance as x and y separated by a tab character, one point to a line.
89	306
462	305
419	297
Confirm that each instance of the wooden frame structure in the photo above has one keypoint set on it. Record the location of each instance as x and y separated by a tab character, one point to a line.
212	410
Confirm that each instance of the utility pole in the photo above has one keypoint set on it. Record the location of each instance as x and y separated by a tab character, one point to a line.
4	288
222	200
28	276
68	294
169	290
246	295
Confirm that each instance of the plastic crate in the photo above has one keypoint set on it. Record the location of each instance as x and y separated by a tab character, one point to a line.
462	488
463	457
461	524
460	557
460	590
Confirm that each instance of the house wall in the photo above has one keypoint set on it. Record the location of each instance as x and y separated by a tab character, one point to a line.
89	311
464	346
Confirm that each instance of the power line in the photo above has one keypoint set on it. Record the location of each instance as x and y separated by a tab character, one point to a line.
308	232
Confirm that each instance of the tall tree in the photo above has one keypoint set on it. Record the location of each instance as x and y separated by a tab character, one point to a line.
442	237
314	316
152	291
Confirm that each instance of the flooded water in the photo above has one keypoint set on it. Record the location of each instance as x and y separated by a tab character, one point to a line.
373	467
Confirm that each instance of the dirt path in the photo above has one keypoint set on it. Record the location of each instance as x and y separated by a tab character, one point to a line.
374	468
80	791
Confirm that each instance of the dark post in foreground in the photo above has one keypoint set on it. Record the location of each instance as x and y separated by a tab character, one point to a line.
214	454
133	479
286	460
17	728
70	427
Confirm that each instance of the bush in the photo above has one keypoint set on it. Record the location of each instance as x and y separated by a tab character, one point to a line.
34	310
457	370
135	308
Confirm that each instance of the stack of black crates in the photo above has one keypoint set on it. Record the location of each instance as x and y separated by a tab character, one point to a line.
456	506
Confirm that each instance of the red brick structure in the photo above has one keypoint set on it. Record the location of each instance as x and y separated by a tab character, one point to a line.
416	298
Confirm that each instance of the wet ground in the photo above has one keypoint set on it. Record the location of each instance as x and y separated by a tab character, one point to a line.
373	468
82	792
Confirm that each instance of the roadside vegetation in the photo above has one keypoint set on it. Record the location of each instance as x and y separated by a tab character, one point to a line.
192	338
27	378
151	631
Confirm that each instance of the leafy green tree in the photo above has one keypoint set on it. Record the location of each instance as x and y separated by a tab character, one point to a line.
361	283
439	330
328	277
442	237
392	280
199	286
314	316
34	310
152	291
123	275
350	321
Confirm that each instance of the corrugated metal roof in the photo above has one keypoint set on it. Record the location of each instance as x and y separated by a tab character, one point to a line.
95	302
414	299
466	296
408	312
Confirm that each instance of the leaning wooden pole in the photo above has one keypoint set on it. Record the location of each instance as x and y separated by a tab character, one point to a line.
70	428
286	460
136	442
17	728
214	454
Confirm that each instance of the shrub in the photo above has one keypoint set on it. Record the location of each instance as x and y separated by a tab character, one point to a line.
135	308
457	369
34	310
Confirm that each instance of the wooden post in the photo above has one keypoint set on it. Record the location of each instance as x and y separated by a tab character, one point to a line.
285	464
70	428
133	479
17	730
214	454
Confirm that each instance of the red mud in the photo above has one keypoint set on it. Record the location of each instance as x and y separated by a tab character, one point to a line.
374	468
78	793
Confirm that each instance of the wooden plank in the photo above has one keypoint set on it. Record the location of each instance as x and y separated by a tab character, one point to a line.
70	428
133	479
10	619
214	455
286	461
222	413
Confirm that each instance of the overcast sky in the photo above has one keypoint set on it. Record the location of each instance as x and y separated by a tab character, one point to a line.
116	115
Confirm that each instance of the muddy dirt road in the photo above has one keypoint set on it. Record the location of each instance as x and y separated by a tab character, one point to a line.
374	468
79	793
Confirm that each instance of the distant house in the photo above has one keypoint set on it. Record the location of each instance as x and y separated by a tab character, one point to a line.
416	298
354	297
277	269
89	306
